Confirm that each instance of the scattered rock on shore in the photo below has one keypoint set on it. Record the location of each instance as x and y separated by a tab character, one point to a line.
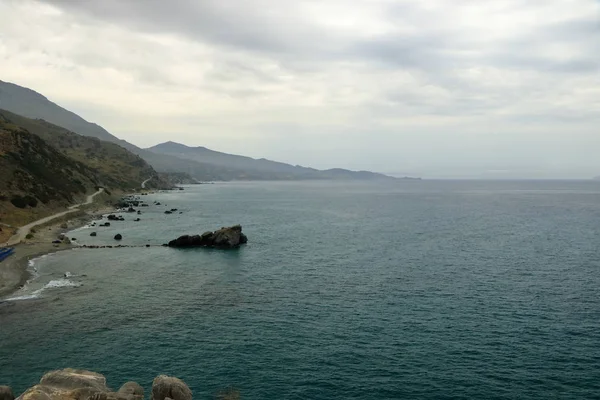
224	238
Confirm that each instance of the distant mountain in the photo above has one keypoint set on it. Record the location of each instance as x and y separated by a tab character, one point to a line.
251	168
30	104
201	163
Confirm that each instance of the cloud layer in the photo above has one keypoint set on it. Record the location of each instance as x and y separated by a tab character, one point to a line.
432	87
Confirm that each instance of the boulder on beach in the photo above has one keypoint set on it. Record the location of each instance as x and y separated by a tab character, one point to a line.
137	220
168	212
118	236
6	393
164	387
224	238
93	234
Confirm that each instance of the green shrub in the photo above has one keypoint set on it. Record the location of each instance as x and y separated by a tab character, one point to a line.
18	202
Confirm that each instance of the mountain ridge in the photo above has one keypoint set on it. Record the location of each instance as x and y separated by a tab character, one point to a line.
202	164
274	169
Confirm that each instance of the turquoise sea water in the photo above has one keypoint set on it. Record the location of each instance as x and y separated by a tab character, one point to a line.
416	290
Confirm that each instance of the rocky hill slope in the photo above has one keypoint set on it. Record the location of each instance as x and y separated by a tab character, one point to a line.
34	175
115	166
44	167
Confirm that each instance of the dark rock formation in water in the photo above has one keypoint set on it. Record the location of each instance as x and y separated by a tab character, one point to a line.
93	234
6	393
118	236
72	384
224	238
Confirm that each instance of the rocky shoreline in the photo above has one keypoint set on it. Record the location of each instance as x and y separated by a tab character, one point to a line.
50	239
74	384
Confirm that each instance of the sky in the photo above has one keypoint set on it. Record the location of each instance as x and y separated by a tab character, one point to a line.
431	88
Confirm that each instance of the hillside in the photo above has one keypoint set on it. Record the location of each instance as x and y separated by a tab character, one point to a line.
36	177
246	168
28	103
114	166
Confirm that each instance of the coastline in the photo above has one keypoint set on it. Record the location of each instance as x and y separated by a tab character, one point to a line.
13	270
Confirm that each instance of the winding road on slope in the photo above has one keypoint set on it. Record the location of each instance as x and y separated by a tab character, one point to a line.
144	183
24	230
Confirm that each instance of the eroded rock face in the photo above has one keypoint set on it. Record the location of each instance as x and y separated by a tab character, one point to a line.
6	393
224	238
164	387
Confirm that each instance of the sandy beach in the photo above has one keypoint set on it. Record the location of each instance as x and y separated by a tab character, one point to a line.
13	270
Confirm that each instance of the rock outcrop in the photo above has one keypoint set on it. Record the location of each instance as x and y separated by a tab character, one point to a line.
164	387
74	384
224	238
131	391
6	393
68	384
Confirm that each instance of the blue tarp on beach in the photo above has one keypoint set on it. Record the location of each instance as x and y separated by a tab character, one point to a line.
4	253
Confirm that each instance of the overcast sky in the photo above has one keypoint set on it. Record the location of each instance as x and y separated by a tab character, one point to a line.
436	88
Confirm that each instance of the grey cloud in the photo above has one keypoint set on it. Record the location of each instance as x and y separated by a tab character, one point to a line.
240	24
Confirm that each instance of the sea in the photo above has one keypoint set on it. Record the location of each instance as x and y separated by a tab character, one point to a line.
346	290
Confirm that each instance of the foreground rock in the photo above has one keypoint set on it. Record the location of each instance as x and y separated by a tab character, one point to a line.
72	384
67	384
168	387
6	393
224	238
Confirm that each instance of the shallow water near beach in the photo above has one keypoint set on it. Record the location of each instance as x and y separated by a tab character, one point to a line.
415	289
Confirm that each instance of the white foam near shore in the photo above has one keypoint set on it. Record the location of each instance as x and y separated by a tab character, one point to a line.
55	283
